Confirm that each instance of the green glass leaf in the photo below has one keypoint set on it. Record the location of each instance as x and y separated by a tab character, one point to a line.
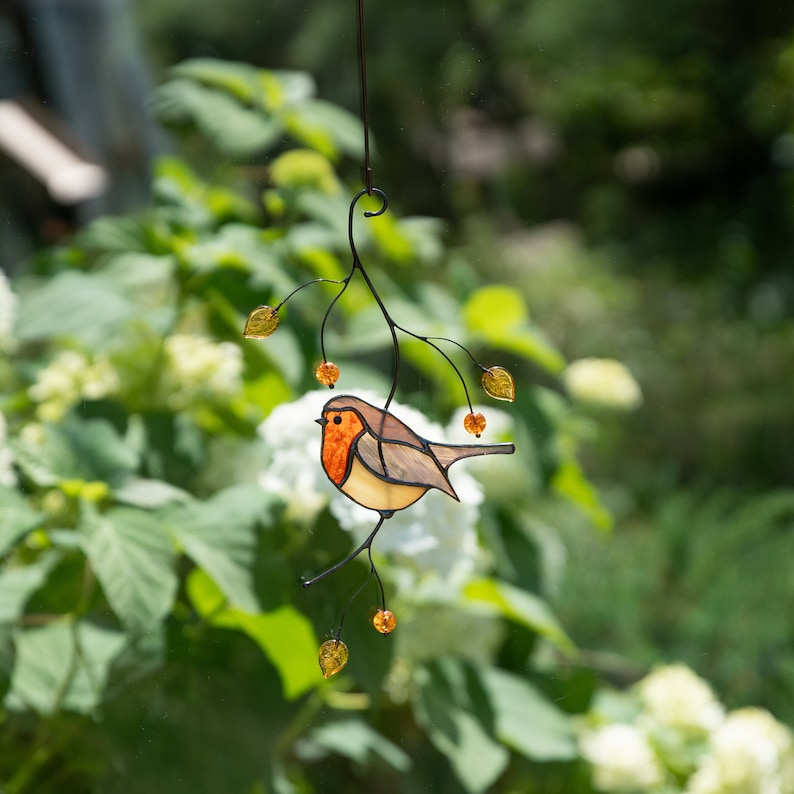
62	666
499	384
261	323
132	557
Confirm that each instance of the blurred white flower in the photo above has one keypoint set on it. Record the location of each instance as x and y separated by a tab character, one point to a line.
200	369
622	758
603	382
673	696
293	470
750	753
7	476
435	534
69	378
8	305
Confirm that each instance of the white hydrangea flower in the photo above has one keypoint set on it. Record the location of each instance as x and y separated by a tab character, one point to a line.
69	378
7	476
436	533
198	368
750	753
622	758
673	696
603	382
8	305
293	471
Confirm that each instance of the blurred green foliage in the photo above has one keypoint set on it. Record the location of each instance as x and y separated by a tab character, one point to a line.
153	631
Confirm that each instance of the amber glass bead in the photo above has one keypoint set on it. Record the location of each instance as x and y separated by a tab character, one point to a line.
384	621
327	373
474	423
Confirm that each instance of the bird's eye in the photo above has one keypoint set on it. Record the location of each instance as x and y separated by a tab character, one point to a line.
337	420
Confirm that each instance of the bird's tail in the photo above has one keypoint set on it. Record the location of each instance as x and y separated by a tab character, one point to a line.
447	454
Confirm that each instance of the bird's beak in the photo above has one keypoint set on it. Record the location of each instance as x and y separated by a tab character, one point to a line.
321	421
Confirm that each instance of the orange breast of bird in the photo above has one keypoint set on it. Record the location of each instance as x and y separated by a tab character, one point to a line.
338	439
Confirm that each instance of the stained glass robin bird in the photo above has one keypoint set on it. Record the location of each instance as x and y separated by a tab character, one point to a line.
379	462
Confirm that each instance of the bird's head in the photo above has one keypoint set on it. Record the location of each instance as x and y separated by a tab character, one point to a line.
341	424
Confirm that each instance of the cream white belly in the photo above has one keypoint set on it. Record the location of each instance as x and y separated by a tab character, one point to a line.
364	487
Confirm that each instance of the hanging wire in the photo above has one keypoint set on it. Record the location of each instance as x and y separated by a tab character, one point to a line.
362	63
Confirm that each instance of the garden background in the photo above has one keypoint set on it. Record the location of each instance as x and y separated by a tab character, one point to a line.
599	198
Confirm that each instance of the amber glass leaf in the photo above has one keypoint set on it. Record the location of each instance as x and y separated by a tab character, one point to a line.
384	621
261	323
474	423
499	384
327	373
333	657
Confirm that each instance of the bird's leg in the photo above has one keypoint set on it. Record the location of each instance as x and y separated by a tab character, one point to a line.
352	556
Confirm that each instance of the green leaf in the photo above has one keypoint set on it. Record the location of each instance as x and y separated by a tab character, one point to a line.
132	557
285	636
18	584
237	78
73	305
91	451
121	234
236	130
454	711
498	315
354	739
326	127
521	607
219	535
526	721
16	518
62	666
495	309
150	494
569	481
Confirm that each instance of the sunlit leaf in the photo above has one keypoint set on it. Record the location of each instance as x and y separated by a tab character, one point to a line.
261	323
62	666
499	384
519	606
18	584
569	480
219	535
453	707
91	451
285	635
132	556
495	308
526	721
333	657
16	517
355	739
